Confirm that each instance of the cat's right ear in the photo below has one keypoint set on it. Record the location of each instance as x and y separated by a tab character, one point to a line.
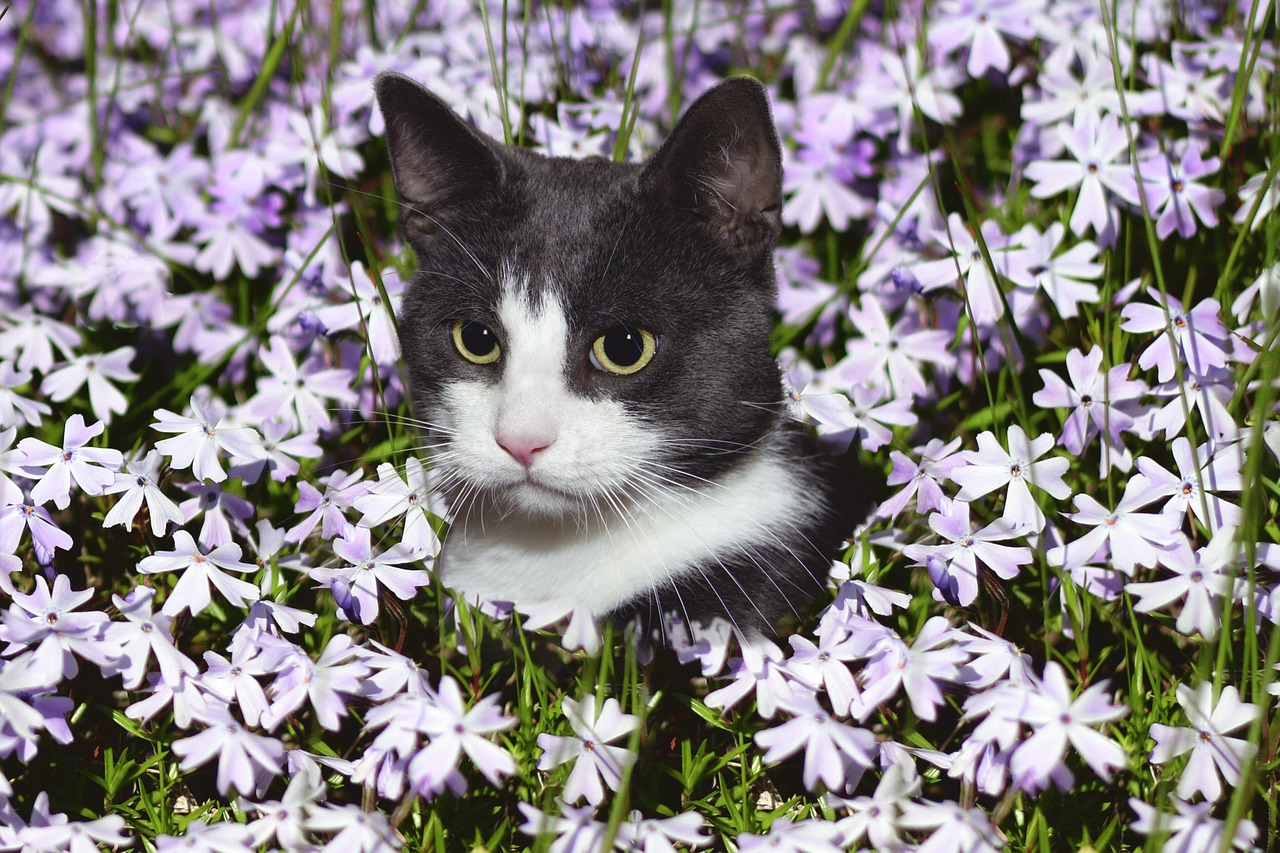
443	168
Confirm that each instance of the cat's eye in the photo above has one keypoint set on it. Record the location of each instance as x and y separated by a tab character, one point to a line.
623	349
476	342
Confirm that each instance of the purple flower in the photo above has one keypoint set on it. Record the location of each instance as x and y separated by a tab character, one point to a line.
1057	720
1198	334
16	410
21	677
340	492
825	667
198	440
955	828
354	829
1220	472
200	837
247	762
922	480
875	818
1091	398
200	570
46	620
138	483
991	467
17	515
72	461
140	637
323	682
1202	577
410	496
1173	194
1212	752
958	582
1136	538
99	370
576	831
454	730
982	26
222	510
1249	192
299	395
835	753
892	356
594	759
1097	167
982	292
1062	277
1192	828
787	836
918	668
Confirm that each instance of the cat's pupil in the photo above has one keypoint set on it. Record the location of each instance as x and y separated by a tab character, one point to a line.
623	345
477	338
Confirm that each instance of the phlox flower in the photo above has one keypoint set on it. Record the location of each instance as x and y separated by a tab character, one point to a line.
453	730
1056	720
575	829
825	667
18	514
1063	277
594	759
1098	147
1136	538
1249	192
277	451
200	837
1206	395
298	395
1064	95
1186	88
955	828
1203	578
982	25
1213	754
235	681
47	621
920	85
140	637
1193	827
1200	337
341	489
835	753
759	670
99	370
953	567
15	409
922	480
394	496
1220	472
71	461
863	416
966	263
222	511
788	836
354	829
1092	397
660	835
368	310
324	682
200	570
816	192
46	832
183	696
918	668
247	762
875	818
1265	290
137	484
991	467
1174	196
21	678
30	338
198	439
368	573
283	819
892	356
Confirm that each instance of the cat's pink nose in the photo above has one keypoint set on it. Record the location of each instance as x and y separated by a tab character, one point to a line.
523	447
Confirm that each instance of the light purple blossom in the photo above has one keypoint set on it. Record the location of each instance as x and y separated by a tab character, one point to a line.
788	836
1192	489
594	759
958	580
1174	196
92	468
1098	147
142	636
338	672
200	570
991	467
455	730
835	753
247	762
1092	398
1192	827
923	480
918	668
199	439
1136	538
99	370
138	483
1214	755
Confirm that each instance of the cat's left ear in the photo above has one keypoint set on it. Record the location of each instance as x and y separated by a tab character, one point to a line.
723	166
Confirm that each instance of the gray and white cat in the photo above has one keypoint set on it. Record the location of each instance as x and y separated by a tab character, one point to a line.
587	345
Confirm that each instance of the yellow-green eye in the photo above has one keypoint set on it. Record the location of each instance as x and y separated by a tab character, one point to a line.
476	342
623	349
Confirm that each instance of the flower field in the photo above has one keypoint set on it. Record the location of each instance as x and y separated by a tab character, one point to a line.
1029	274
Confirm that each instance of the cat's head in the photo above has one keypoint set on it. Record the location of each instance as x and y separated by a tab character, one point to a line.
580	333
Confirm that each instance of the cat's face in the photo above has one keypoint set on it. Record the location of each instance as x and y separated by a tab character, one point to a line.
582	334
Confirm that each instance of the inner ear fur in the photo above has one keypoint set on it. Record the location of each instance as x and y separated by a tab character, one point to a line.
722	165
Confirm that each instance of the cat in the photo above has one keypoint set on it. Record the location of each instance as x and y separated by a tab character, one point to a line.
588	348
